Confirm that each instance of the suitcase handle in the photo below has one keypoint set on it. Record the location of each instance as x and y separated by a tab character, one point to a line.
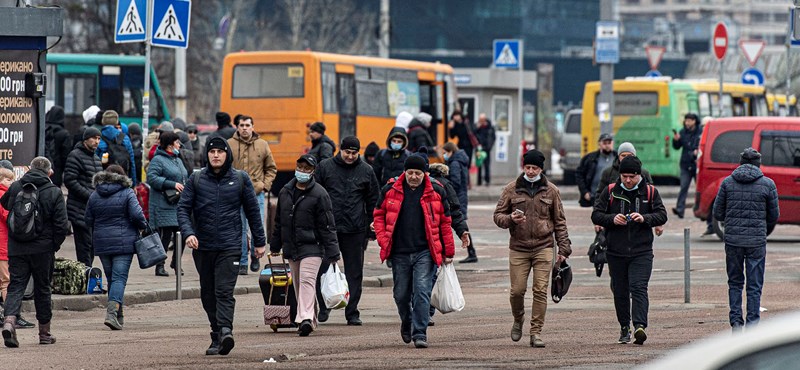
281	281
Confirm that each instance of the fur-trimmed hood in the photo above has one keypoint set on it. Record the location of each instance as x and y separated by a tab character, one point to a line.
108	183
440	168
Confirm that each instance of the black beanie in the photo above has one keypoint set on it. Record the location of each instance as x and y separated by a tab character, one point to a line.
223	119
751	156
90	132
317	127
534	157
350	142
216	143
630	165
372	149
416	162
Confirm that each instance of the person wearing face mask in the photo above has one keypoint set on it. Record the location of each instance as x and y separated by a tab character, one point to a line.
530	208
389	162
305	230
629	211
590	170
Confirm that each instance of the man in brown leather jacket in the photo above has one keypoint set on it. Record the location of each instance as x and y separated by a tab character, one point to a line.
530	207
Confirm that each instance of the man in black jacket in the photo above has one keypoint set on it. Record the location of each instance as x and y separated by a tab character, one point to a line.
353	189
486	137
57	142
322	147
213	199
34	258
688	139
82	164
590	170
629	212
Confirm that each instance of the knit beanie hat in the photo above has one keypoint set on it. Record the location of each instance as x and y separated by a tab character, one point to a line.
415	162
317	127
630	165
110	117
751	156
626	147
166	126
350	142
223	119
90	132
372	149
534	157
7	164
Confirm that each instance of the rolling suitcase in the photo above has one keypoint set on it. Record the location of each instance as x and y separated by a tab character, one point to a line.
275	282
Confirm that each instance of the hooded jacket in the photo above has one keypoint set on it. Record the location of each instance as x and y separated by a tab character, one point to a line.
541	202
322	148
459	177
58	143
210	207
82	165
747	201
418	136
634	238
305	227
53	213
611	174
114	214
390	163
353	190
164	172
255	158
110	133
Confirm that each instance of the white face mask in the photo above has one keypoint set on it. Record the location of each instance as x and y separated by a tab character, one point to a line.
302	177
532	180
634	187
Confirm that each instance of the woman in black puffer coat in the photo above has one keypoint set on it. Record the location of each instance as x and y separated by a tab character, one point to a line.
113	212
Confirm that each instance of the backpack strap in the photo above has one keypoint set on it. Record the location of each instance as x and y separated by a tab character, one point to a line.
610	198
650	190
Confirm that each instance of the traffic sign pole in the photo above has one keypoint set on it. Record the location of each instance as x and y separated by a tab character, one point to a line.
146	92
719	42
519	98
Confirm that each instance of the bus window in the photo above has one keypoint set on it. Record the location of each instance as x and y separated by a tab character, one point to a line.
704	104
268	81
77	93
110	88
50	97
329	102
347	108
371	94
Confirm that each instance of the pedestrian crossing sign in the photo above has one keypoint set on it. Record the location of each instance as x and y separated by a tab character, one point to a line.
171	23
131	21
506	53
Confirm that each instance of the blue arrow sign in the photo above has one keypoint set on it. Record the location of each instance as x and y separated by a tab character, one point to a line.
506	53
171	23
653	73
131	22
753	76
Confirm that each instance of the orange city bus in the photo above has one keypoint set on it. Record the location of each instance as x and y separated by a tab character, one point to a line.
285	91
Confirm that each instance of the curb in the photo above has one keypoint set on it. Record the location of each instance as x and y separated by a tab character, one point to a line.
565	196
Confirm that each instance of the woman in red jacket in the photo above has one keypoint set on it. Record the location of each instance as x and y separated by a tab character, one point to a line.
6	178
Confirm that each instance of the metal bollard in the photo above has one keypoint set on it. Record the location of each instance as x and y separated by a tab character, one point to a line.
686	268
178	257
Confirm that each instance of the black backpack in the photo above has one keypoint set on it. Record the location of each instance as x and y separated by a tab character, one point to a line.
25	219
117	152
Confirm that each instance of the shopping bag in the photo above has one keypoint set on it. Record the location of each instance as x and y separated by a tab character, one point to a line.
447	296
334	288
149	250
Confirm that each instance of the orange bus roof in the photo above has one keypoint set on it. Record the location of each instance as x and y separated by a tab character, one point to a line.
260	56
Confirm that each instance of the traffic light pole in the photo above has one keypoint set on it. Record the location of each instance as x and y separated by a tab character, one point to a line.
606	75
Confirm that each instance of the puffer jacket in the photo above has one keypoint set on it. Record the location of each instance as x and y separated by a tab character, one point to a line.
418	136
437	218
110	133
459	177
114	215
541	202
164	171
210	207
747	201
305	227
56	134
390	163
322	148
439	172
53	212
353	190
634	238
82	164
255	158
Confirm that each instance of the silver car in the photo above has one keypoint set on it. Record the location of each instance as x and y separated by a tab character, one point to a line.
570	146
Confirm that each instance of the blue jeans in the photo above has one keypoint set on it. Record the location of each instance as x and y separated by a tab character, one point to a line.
245	228
413	283
743	262
116	268
687	174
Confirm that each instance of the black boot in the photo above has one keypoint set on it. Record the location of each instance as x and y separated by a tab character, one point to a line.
472	257
160	270
225	341
213	349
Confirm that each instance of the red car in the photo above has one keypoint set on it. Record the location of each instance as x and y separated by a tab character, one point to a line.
723	139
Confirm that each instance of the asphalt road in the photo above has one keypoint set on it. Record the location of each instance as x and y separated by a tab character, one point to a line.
580	332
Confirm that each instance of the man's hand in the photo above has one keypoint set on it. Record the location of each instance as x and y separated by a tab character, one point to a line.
637	217
659	230
598	228
518	218
465	239
676	137
372	226
261	251
560	259
448	260
620	219
587	196
192	242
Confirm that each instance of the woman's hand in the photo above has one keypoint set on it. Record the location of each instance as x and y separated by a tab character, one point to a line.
178	187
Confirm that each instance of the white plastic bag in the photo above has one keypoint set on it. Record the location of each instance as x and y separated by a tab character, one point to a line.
334	288
447	296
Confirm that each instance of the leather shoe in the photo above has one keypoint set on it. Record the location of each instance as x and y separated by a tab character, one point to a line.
160	271
675	211
405	332
242	270
470	259
516	331
420	343
354	321
322	316
537	341
255	265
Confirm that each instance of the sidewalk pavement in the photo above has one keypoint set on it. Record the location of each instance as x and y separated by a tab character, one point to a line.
492	192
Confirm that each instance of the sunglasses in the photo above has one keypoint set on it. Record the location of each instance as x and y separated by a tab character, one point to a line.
191	132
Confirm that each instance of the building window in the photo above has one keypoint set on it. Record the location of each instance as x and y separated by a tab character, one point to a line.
501	113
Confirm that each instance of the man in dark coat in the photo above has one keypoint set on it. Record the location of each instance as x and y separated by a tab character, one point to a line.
137	141
464	130
590	170
224	128
353	190
82	164
389	162
440	172
57	142
486	137
629	212
35	258
418	135
197	147
688	139
370	153
208	214
747	202
322	147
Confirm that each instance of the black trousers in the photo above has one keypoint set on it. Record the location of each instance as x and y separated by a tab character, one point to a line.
84	251
167	236
630	277
21	269
352	248
484	174
218	272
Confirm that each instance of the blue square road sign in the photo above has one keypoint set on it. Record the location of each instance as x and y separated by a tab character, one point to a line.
131	24
506	53
171	23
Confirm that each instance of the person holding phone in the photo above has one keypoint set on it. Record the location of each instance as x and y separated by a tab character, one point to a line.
687	139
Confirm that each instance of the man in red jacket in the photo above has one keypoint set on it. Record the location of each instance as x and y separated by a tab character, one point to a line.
418	210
